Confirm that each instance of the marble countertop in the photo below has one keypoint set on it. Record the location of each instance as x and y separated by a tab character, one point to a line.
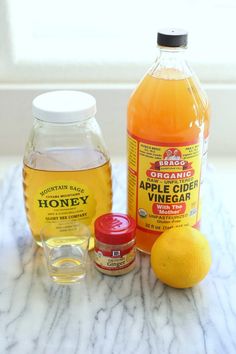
134	313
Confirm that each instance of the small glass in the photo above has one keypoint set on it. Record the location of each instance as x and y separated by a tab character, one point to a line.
65	247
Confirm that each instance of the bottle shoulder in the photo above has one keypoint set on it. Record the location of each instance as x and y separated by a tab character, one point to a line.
163	107
65	159
74	146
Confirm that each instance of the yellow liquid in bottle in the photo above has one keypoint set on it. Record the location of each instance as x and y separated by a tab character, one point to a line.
167	108
56	190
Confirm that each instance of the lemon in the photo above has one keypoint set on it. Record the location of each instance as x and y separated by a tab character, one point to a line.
181	257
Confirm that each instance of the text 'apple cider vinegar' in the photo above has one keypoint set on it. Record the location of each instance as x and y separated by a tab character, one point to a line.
168	127
67	174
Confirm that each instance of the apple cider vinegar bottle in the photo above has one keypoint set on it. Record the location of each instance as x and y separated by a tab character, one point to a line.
67	172
168	127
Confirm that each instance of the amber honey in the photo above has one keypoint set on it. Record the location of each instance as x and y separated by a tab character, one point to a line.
55	190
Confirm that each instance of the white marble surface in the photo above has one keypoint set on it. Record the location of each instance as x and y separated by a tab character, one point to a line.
134	313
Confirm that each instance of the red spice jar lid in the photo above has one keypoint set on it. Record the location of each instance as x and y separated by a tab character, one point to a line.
114	228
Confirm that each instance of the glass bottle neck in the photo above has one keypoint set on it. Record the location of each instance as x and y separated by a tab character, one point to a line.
171	64
168	53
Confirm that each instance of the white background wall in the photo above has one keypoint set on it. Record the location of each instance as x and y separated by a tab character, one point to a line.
16	119
40	44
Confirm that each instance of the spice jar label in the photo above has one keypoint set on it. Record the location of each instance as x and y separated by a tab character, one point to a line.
114	259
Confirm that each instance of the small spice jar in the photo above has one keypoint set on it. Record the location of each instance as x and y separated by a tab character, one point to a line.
114	244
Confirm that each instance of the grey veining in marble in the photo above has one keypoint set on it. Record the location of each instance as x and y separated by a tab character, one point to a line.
134	313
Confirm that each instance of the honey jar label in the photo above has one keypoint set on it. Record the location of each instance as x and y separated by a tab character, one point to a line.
163	184
114	259
64	201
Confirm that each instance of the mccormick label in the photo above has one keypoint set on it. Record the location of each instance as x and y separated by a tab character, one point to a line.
114	260
163	184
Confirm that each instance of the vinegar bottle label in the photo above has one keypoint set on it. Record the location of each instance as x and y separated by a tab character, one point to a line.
164	184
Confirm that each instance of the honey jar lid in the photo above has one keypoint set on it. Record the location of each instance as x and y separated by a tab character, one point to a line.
114	228
64	106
